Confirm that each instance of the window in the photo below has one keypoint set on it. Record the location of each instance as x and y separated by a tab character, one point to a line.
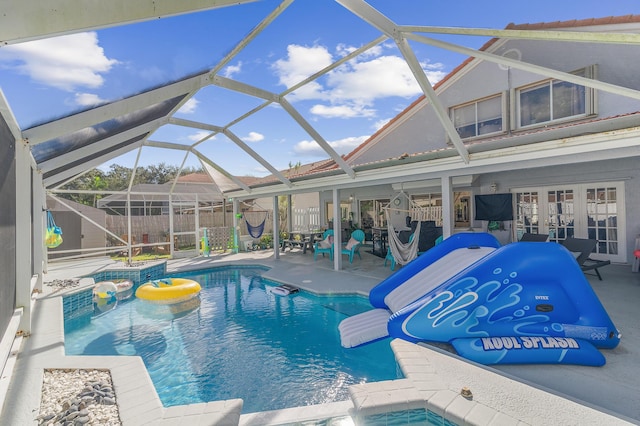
479	118
554	100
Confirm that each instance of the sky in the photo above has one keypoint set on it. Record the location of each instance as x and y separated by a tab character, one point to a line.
51	78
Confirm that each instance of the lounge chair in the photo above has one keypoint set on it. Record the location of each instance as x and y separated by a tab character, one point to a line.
582	248
353	245
324	246
538	238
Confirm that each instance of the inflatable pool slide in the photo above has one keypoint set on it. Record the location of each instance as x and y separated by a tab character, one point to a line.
519	303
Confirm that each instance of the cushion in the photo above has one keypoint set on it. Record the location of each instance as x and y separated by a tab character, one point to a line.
327	242
352	243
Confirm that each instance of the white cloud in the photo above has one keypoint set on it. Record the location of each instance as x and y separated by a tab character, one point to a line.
231	70
352	89
380	124
341	146
366	81
66	62
189	107
253	137
88	99
199	136
301	62
342	111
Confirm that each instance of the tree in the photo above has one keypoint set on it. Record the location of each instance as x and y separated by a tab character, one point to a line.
118	178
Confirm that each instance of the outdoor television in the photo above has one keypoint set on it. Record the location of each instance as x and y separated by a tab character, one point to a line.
494	207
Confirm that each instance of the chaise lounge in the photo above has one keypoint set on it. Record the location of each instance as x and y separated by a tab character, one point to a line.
582	249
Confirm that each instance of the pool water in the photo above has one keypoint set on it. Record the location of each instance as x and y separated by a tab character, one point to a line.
237	340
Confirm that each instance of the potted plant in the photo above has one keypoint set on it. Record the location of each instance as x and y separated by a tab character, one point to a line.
266	240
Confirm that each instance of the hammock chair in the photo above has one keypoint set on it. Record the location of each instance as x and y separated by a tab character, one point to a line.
403	253
256	230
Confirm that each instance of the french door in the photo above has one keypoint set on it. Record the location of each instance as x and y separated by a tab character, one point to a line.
593	210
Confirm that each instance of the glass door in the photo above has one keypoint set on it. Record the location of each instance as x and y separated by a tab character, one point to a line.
560	220
579	211
526	218
602	218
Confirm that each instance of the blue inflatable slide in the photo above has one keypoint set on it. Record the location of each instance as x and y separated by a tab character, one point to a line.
525	302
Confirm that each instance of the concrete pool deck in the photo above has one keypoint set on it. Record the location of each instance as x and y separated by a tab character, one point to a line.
529	394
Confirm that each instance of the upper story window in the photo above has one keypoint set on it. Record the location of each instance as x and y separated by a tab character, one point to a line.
480	117
552	100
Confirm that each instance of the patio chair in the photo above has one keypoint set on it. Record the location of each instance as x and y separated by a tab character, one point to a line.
324	246
582	248
353	245
390	258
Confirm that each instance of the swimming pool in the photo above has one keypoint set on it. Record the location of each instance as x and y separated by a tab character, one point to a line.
238	340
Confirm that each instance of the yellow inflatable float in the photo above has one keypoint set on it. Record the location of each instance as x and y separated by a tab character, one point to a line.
168	290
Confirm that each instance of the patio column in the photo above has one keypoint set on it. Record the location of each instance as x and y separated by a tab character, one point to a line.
447	206
23	233
289	215
276	228
236	228
39	204
337	231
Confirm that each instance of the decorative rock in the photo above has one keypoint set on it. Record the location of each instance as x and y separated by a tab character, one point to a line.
62	405
82	420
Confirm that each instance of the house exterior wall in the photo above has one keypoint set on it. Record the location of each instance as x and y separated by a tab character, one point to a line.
420	130
625	170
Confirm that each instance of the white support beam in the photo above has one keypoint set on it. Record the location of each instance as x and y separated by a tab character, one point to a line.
318	138
166	145
81	120
432	96
251	36
9	118
282	178
543	35
247	89
207	160
25	20
195	124
175	180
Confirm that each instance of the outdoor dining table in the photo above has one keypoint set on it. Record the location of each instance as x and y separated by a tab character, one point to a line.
305	240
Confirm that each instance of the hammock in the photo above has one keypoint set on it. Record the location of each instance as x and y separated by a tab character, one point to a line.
255	230
402	253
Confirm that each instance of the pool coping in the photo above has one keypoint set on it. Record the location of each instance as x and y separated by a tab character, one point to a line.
433	381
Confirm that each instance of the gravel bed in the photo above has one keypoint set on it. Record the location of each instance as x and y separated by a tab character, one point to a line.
78	397
57	285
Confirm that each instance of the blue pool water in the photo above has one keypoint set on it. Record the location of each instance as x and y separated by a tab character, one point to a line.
237	340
